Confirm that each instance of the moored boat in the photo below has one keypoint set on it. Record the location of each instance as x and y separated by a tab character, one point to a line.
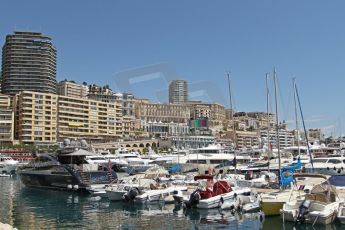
319	207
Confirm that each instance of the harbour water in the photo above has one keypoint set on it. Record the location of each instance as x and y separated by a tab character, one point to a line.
27	208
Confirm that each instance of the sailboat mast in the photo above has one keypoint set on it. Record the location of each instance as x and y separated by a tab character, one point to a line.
296	117
305	130
277	118
232	120
268	122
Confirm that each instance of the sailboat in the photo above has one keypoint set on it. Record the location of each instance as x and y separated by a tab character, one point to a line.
272	203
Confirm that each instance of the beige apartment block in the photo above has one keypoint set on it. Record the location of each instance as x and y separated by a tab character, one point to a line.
89	119
47	118
35	117
6	120
215	112
165	113
72	89
247	139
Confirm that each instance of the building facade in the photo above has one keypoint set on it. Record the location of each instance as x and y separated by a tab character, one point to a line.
215	113
72	89
147	112
178	92
47	118
188	142
286	138
28	63
89	119
316	135
35	117
127	102
160	129
6	120
247	139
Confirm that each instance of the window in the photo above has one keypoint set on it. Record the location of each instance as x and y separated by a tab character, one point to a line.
197	161
334	161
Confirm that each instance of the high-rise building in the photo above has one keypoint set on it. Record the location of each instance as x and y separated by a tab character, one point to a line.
28	63
178	92
72	89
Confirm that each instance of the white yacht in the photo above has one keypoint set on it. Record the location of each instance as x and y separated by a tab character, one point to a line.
327	166
7	165
116	163
212	154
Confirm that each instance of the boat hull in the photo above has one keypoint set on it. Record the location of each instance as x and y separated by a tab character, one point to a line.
341	219
115	195
217	201
272	208
157	195
49	181
311	219
317	212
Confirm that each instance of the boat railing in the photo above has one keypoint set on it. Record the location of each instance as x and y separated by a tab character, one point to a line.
40	164
75	171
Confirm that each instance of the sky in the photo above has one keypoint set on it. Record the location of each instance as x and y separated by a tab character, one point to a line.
139	46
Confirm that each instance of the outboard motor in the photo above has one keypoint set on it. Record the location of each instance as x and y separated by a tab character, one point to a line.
194	199
303	210
131	194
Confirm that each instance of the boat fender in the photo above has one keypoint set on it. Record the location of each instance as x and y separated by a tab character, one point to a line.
327	168
339	170
335	168
69	186
221	200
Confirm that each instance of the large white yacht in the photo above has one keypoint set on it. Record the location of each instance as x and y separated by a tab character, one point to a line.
327	166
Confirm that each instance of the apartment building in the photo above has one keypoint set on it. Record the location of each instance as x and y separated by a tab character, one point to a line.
28	63
127	103
178	92
165	113
35	117
47	118
215	112
286	138
247	139
6	120
89	119
72	89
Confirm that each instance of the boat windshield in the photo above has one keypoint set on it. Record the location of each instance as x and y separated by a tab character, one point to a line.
96	158
206	151
320	160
